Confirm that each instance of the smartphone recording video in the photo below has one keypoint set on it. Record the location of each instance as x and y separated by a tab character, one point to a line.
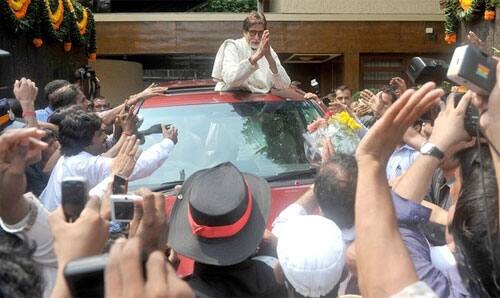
120	185
74	192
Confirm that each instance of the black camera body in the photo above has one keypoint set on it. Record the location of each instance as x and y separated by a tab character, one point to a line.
472	116
422	70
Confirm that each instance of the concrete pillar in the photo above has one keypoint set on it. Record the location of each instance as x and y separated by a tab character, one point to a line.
351	70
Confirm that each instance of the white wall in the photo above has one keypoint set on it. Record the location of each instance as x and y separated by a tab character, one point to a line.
356	6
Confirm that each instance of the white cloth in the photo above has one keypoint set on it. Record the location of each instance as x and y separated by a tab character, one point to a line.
417	290
97	168
442	258
311	253
294	210
40	235
233	70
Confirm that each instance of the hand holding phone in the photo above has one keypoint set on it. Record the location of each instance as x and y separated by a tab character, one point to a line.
74	192
120	185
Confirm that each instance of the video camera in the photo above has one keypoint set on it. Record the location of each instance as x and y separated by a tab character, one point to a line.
469	67
88	81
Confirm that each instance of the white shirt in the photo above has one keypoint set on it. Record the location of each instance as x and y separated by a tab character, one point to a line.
97	168
232	69
40	234
297	210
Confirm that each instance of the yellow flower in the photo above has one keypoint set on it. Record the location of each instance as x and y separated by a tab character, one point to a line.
465	4
346	119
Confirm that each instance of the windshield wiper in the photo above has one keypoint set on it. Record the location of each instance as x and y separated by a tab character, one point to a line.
309	173
168	185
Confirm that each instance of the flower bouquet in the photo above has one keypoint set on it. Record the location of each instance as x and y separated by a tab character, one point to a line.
343	131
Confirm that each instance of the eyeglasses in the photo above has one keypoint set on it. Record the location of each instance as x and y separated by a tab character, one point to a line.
255	32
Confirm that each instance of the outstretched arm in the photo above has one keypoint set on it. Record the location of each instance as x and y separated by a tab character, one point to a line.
378	241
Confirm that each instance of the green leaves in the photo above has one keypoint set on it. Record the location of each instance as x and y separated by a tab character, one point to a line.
229	6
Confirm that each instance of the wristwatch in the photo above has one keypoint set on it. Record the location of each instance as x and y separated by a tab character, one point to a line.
430	149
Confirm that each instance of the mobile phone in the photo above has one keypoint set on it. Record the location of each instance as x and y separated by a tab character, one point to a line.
122	207
85	277
120	185
74	193
473	69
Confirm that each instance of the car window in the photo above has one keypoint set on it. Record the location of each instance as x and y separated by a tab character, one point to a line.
262	138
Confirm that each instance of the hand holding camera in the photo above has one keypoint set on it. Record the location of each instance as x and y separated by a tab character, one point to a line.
125	273
449	126
149	220
84	237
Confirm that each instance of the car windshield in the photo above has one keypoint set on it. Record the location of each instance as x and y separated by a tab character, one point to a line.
262	138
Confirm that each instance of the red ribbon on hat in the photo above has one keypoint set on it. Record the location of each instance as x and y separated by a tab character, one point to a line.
222	231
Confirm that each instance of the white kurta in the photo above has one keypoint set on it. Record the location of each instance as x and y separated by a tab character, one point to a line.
233	70
97	168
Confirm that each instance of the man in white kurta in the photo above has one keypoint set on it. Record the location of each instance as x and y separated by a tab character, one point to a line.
249	63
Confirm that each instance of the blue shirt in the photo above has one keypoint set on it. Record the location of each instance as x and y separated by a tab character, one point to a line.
400	161
410	215
44	114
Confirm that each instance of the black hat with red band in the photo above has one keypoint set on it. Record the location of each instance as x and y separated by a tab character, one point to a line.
220	215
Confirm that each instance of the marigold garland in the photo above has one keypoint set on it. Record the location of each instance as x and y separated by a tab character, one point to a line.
56	17
64	21
466	11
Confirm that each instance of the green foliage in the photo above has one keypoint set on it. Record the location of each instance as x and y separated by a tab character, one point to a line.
229	6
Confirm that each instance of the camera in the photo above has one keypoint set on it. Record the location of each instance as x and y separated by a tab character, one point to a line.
422	70
122	207
472	115
473	69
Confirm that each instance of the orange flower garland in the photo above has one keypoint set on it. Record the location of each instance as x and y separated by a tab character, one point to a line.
37	42
56	17
466	4
489	15
19	7
82	24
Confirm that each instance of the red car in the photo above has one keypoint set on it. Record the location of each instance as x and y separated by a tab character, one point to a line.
261	134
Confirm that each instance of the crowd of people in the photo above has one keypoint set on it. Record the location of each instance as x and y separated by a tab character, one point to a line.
413	213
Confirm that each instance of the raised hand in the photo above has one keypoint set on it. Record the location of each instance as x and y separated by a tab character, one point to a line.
124	276
387	133
82	238
25	91
123	164
263	49
449	125
150	91
17	148
149	222
170	133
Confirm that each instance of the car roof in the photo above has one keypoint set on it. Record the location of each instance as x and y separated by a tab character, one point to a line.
196	92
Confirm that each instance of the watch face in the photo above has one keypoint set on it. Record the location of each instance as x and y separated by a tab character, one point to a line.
426	148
